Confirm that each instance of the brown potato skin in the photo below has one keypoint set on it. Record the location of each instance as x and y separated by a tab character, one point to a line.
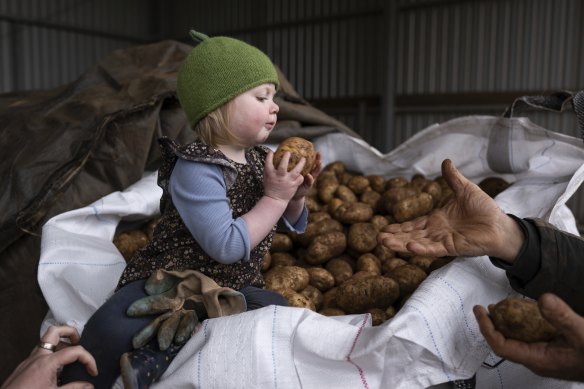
362	237
408	277
286	277
412	207
129	242
520	319
360	295
320	278
281	242
326	246
299	148
350	213
298	300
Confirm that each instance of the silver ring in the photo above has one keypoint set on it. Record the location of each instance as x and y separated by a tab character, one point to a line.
47	346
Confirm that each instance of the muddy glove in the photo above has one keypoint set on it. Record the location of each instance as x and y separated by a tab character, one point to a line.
181	299
175	322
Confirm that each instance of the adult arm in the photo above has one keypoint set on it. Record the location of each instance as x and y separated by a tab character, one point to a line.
559	256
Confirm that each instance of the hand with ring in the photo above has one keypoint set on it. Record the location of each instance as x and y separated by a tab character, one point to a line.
41	368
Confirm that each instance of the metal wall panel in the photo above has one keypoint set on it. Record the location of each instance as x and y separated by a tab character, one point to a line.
44	44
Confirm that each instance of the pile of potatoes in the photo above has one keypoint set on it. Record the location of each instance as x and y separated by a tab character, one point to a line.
336	266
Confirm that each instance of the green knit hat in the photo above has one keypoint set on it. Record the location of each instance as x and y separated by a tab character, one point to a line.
217	70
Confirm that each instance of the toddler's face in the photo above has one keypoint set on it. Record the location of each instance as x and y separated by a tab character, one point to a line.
254	115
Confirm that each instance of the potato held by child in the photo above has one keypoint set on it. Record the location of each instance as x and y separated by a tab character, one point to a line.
521	319
298	148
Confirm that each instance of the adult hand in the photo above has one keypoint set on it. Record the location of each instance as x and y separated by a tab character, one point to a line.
469	224
562	358
41	368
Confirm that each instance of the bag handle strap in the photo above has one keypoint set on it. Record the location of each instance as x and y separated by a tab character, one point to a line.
557	102
499	151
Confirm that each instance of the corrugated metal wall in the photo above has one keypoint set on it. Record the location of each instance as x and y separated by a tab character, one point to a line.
44	44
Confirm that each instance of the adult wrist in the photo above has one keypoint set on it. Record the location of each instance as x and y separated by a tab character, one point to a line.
512	239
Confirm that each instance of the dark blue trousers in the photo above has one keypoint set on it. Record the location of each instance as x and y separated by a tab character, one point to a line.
109	331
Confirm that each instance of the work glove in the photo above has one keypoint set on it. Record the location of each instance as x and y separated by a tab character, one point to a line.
175	322
180	299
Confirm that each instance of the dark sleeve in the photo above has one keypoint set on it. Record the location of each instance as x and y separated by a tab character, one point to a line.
528	261
561	269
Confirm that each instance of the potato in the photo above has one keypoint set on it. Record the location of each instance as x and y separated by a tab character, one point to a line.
330	298
320	278
379	222
418	181
312	204
433	189
394	195
281	258
333	205
358	184
317	216
412	207
362	237
299	148
314	295
383	252
340	269
336	167
520	319
350	213
129	242
422	262
326	246
388	265
363	274
281	242
326	185
377	183
355	296
345	194
408	277
369	262
390	312
372	198
286	277
396	182
378	316
298	300
493	185
314	229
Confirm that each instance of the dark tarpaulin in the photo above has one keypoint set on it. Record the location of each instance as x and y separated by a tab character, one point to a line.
67	147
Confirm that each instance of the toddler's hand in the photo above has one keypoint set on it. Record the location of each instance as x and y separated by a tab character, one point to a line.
279	183
309	179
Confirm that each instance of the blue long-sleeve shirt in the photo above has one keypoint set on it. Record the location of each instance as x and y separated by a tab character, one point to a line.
198	192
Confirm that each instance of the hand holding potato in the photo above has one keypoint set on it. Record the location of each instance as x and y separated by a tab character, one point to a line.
561	358
279	183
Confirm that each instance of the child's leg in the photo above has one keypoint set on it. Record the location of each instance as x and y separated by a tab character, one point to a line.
107	335
259	298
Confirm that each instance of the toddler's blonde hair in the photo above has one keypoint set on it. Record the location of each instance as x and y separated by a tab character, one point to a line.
213	129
